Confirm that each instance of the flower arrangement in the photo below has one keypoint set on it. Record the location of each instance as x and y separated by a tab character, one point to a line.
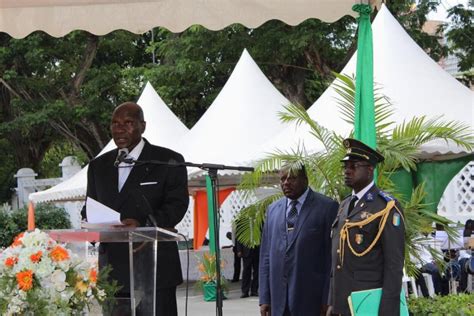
42	277
207	281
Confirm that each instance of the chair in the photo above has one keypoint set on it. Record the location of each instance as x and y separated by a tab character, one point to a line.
409	280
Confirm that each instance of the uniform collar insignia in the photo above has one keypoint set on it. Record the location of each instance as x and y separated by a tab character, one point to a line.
369	197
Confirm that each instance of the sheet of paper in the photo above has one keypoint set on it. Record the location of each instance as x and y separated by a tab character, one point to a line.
98	213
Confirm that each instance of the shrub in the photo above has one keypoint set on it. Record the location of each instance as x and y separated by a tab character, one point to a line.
454	304
47	216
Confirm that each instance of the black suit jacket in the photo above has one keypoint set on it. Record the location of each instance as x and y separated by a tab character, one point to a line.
381	267
150	189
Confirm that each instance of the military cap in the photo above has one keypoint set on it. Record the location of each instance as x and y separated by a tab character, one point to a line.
357	150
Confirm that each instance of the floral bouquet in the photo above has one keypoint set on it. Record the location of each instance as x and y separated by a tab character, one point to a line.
42	277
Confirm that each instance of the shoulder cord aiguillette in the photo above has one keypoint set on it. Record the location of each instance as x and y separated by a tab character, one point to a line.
348	225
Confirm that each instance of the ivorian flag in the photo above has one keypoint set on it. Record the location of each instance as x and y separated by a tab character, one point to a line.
203	215
364	112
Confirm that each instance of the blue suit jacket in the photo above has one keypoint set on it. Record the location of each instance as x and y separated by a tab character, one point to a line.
297	266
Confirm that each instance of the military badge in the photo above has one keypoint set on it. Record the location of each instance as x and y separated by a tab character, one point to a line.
396	220
365	215
359	238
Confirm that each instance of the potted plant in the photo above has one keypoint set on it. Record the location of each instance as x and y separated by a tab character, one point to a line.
207	281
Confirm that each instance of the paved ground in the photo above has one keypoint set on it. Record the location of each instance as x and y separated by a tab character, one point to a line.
233	305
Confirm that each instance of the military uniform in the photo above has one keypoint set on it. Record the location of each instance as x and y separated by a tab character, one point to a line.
368	251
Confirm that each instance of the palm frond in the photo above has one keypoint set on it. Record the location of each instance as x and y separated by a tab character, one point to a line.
296	113
249	222
420	130
266	168
345	88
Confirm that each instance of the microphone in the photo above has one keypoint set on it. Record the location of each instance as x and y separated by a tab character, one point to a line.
122	153
148	208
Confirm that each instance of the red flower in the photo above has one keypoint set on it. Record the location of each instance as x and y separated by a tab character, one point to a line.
11	261
17	240
36	257
25	280
58	253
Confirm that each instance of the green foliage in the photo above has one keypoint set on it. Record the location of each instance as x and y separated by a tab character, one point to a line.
49	167
47	216
452	305
461	38
110	288
7	171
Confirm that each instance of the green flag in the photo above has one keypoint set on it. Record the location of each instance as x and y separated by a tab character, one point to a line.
364	112
210	216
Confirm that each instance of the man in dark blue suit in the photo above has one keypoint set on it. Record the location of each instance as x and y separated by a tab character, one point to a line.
295	253
140	192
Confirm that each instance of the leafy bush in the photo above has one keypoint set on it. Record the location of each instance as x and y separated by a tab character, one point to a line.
47	216
460	304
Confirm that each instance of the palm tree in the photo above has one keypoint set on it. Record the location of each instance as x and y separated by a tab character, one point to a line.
399	144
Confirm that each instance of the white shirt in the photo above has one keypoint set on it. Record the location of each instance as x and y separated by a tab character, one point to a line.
300	200
124	169
362	192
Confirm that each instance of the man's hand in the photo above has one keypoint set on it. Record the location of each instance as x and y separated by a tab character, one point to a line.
130	222
329	311
239	254
265	310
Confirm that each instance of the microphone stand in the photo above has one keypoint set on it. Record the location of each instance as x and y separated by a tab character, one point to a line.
212	170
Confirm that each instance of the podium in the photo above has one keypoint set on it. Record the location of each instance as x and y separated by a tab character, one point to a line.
143	243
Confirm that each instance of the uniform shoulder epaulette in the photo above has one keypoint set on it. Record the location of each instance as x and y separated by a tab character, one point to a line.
387	197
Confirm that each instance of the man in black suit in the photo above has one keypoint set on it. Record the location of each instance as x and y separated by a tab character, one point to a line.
368	236
140	193
250	256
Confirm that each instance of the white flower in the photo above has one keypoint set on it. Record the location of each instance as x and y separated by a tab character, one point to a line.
58	278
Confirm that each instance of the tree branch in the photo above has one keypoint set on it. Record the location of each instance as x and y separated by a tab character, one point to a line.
89	55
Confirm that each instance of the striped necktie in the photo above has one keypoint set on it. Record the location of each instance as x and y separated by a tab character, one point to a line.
292	215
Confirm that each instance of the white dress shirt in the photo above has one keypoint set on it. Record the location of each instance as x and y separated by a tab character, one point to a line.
124	169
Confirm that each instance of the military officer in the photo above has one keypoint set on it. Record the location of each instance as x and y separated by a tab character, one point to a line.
368	236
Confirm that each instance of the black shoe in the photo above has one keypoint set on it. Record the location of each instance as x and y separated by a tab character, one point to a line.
244	295
234	281
254	294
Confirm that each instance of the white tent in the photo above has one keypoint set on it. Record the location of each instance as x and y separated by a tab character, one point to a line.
415	84
241	118
59	17
163	128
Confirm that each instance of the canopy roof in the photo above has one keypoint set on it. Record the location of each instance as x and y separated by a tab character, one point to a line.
242	117
415	84
162	128
59	17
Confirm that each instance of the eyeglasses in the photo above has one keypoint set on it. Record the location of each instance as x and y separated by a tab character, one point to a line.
354	165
